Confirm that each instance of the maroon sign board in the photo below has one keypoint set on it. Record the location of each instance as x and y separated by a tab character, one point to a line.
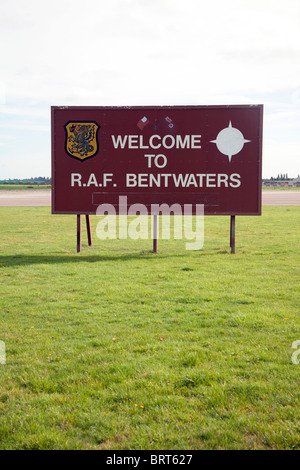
210	155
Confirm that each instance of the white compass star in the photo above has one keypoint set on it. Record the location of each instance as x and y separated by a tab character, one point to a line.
230	141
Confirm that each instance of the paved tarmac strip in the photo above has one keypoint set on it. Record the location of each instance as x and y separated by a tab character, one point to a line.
25	197
42	197
281	198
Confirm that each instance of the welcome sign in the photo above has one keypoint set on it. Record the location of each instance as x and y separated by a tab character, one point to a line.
184	155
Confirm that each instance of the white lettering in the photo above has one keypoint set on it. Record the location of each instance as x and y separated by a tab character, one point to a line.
157	146
143	180
222	178
154	179
164	142
107	178
164	160
117	460
192	181
142	146
75	178
156	141
198	233
295	354
107	227
118	141
235	180
133	142
92	180
166	176
196	142
200	176
130	180
179	181
210	181
123	217
2	353
140	222
182	180
149	156
185	143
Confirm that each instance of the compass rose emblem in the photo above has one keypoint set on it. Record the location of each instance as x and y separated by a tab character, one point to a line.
230	141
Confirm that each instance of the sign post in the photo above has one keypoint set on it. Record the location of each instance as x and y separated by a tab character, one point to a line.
88	229
78	233
157	156
155	233
232	233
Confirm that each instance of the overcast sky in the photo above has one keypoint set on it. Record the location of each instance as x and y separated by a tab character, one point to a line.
146	52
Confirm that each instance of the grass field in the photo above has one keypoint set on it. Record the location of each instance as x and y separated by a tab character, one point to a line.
120	348
296	188
24	186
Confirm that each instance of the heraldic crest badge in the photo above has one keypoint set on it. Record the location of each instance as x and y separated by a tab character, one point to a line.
81	139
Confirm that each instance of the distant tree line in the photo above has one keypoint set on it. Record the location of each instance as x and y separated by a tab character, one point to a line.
280	177
32	180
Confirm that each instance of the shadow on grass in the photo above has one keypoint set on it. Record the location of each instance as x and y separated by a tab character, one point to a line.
23	259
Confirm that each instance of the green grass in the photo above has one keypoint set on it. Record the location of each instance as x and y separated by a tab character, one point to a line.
279	188
120	348
24	186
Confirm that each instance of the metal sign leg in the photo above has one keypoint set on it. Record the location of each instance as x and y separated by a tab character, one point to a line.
232	233
78	234
155	233
88	229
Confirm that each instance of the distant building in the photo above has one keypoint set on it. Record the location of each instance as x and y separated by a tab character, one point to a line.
290	183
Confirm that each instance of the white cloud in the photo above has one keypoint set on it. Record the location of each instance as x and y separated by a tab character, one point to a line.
28	111
280	158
